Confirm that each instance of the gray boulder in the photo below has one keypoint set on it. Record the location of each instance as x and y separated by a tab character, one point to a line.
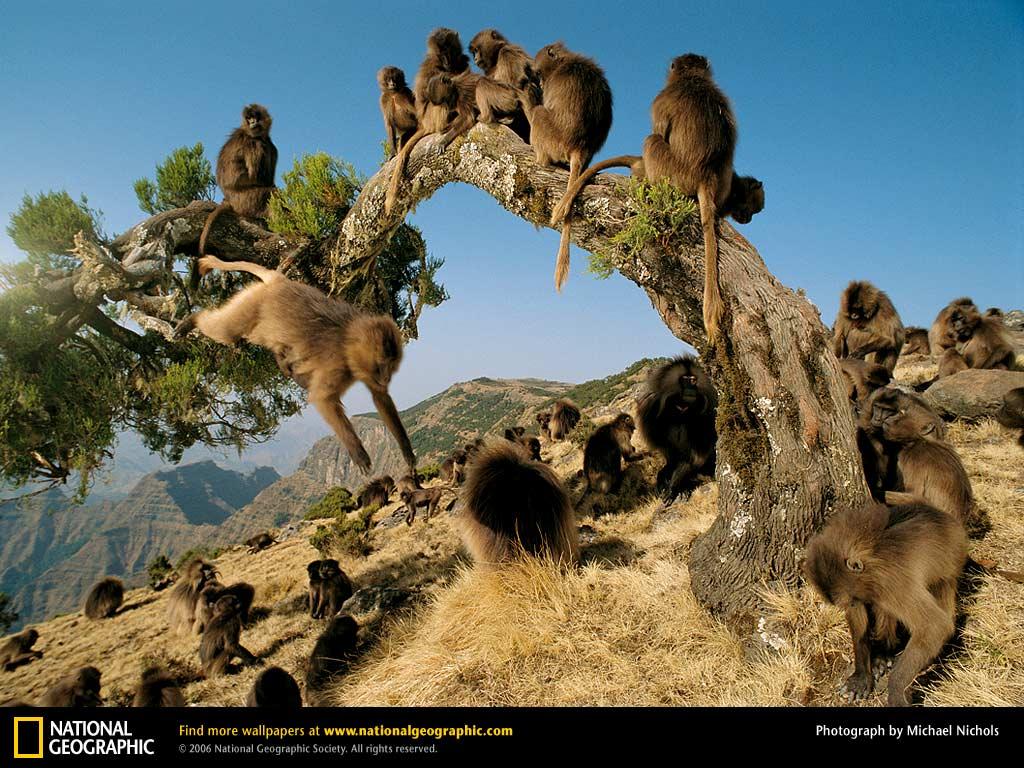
973	394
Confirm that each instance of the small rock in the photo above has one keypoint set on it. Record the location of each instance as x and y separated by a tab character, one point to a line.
370	599
973	394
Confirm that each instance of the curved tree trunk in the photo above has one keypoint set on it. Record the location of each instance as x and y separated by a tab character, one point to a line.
786	453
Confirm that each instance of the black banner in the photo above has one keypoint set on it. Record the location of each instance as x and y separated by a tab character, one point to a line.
213	736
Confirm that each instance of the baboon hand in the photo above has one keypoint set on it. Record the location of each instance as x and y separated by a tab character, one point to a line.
185	327
858	686
362	460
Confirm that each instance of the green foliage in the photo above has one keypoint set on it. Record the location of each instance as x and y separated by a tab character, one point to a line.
158	568
337	502
184	175
582	431
45	226
7	614
347	535
281	518
206	553
317	193
604	391
428	472
661	212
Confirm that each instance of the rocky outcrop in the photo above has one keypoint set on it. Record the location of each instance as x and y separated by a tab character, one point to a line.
973	394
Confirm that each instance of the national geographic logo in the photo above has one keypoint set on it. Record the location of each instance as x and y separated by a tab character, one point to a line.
33	739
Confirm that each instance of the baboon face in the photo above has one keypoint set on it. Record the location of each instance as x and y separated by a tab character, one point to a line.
964	320
689	393
459	457
376	356
329	569
689	64
861	305
485	46
256	121
624	422
313	569
391	79
544	419
447	46
548	58
88	685
747	199
835	575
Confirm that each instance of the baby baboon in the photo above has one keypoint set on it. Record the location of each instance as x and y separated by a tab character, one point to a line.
677	419
941	335
512	505
79	689
220	641
863	378
274	689
245	169
104	599
1011	414
376	492
398	107
181	607
334	589
986	343
427	497
544	421
867	326
564	418
333	651
885	566
328	343
259	542
606	449
916	341
17	650
214	591
951	363
569	121
158	689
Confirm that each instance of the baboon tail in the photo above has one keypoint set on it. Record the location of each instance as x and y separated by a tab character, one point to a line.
565	204
399	170
562	263
210	263
209	224
713	307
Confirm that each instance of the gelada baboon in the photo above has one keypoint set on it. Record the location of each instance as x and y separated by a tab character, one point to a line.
104	598
929	469
398	106
220	643
453	469
984	340
604	453
426	497
531	445
158	689
313	569
181	607
562	420
867	326
17	650
259	542
508	70
1011	413
79	689
512	505
333	651
245	169
887	566
326	343
677	419
376	492
950	363
274	689
214	591
915	341
333	588
863	378
569	121
941	335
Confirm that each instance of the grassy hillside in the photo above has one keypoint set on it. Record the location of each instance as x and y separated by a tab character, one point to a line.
623	629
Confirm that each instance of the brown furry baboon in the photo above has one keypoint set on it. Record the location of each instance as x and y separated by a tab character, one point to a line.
313	569
983	339
376	492
274	689
879	455
328	344
951	363
444	57
158	689
214	591
426	497
863	378
245	169
1011	413
677	418
569	121
867	326
333	651
17	650
604	453
453	469
398	107
334	588
259	542
888	566
104	598
544	422
915	341
511	504
565	415
531	445
220	643
181	606
941	335
508	71
79	689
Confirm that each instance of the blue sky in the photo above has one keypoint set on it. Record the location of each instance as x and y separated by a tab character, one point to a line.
887	135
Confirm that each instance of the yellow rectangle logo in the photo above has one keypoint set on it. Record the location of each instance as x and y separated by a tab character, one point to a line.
38	745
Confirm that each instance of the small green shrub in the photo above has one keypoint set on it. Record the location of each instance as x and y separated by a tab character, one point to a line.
207	553
316	195
347	535
428	472
337	502
158	568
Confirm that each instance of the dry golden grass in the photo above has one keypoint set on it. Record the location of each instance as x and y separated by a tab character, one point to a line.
623	629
